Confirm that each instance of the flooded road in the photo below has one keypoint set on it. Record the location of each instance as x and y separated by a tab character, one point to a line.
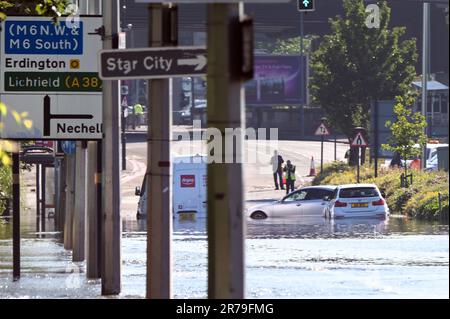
285	258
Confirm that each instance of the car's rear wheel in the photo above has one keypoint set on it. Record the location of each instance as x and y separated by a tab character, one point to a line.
258	215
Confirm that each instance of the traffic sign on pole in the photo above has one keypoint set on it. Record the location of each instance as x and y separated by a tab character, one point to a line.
359	141
322	130
305	5
49	75
152	63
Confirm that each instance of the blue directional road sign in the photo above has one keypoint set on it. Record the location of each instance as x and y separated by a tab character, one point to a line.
68	147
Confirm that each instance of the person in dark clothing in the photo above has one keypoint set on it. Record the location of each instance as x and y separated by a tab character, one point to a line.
289	169
396	160
277	162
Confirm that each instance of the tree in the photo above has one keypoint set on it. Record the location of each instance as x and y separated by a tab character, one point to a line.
51	8
407	131
288	46
356	65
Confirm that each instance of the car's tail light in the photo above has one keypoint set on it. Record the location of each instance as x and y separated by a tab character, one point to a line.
379	202
340	204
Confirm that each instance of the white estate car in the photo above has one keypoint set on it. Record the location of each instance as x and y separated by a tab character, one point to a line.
306	201
356	200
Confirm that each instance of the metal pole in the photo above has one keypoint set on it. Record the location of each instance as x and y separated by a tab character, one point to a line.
358	164
112	228
425	71
70	201
62	194
99	185
302	69
57	203
376	138
226	224
44	195
79	216
92	246
159	181
16	215
192	98
93	230
321	153
335	147
124	140
38	196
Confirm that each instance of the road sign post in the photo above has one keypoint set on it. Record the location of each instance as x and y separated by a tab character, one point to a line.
359	142
305	5
322	131
111	222
16	214
159	181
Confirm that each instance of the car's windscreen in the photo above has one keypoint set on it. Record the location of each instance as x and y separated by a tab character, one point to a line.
358	192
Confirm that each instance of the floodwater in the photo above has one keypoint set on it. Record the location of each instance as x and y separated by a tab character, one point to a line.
285	258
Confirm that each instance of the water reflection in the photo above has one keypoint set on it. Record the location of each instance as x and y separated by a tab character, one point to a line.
285	258
306	227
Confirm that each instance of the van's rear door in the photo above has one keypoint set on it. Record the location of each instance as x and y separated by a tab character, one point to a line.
186	191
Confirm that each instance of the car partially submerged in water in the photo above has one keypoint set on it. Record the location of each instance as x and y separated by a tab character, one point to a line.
356	200
306	201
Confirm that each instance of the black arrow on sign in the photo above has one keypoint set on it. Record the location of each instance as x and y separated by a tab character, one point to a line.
48	116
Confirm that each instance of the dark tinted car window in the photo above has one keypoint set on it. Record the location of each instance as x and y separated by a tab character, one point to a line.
314	194
358	192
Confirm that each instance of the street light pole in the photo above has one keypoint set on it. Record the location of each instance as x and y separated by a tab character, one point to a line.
425	71
302	93
323	120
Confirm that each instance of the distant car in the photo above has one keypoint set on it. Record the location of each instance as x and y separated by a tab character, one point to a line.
356	200
307	201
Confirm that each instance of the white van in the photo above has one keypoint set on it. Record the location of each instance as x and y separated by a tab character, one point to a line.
189	187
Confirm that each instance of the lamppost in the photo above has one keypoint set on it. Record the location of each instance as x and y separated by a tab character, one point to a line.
322	120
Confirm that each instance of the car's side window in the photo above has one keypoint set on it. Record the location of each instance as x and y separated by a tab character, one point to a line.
314	194
300	195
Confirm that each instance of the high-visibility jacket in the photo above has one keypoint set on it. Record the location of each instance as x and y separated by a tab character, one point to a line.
290	172
138	109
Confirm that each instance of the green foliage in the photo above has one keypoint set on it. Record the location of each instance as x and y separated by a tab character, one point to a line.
329	172
407	130
288	46
356	65
50	8
5	185
418	200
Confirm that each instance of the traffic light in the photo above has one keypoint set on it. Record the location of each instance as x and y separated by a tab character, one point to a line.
305	5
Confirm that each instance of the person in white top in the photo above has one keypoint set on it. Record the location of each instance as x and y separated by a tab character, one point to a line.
277	161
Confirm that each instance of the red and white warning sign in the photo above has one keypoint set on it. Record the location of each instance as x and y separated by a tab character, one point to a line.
359	141
322	130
